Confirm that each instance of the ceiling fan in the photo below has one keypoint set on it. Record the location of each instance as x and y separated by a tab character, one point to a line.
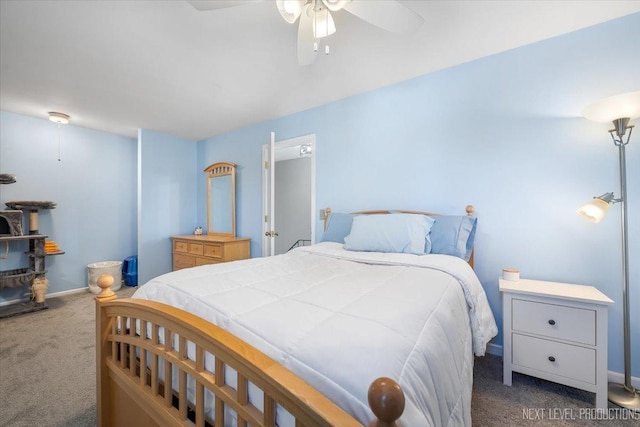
316	21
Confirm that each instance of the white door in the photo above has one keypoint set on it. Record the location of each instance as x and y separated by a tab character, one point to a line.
268	196
273	153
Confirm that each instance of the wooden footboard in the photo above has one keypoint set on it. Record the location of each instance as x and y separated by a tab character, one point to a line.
143	347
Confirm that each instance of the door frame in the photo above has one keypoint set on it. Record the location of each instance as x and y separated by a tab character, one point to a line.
267	223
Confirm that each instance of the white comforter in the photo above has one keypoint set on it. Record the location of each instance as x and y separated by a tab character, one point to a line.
340	319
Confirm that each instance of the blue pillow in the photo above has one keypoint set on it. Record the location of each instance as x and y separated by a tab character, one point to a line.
338	227
397	233
453	235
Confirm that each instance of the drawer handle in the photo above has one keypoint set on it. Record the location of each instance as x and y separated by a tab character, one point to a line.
552	359
552	322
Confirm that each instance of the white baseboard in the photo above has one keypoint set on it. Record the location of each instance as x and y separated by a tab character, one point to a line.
618	377
614	377
53	295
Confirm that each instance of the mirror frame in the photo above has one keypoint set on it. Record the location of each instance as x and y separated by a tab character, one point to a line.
217	170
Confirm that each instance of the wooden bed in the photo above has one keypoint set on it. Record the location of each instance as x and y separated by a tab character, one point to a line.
138	342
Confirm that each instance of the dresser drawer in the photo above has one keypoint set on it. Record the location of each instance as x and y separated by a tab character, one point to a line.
213	251
182	261
570	361
180	246
206	261
196	248
554	321
191	251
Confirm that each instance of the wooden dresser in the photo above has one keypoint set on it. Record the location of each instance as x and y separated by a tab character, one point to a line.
192	250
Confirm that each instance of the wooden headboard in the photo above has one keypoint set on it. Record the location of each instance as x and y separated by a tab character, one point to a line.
469	210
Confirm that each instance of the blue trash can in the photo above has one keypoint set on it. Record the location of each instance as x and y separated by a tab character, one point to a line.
130	271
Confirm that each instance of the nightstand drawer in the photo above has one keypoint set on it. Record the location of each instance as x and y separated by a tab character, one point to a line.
554	321
570	361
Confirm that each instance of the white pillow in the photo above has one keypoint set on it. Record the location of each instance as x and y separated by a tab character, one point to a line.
395	233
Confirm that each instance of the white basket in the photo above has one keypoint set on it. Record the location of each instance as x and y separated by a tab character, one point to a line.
97	269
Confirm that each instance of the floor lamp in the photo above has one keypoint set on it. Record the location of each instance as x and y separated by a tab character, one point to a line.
620	110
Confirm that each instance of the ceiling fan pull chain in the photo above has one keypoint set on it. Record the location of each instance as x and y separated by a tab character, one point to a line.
59	142
315	46
326	50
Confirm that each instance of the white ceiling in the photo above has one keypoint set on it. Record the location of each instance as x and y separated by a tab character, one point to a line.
162	65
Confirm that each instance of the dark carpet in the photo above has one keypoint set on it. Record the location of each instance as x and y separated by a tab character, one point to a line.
47	377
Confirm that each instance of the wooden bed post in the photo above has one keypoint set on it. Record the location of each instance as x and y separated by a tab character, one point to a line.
103	350
386	401
327	212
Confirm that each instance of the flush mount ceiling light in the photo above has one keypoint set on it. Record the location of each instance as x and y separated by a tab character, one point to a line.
316	21
59	118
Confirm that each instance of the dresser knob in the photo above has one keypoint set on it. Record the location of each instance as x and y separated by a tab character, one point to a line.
552	359
552	322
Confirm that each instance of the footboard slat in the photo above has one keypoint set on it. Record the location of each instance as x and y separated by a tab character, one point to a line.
154	375
123	351
132	353
182	378
242	396
154	360
199	409
143	355
136	366
269	411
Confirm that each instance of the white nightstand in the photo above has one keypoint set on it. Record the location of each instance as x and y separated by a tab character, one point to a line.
557	332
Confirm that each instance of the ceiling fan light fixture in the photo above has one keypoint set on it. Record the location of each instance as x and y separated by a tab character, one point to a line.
290	9
335	5
323	24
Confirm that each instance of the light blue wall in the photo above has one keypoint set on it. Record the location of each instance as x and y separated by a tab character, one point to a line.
102	213
167	198
503	133
94	186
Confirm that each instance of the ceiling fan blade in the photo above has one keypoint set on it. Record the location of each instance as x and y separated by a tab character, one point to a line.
203	5
306	52
389	15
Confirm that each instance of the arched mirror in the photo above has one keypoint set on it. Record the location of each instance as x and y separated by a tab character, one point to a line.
221	199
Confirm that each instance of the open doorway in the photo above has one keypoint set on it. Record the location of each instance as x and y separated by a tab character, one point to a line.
289	194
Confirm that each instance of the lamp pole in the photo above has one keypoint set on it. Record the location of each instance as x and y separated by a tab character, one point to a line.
620	109
624	394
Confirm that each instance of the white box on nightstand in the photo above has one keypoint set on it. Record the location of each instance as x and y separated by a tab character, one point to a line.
557	332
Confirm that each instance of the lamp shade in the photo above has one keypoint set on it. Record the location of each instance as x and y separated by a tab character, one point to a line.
626	105
594	210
